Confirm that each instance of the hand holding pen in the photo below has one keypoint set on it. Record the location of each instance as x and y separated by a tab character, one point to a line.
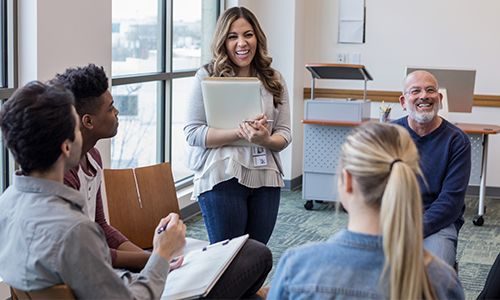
170	237
162	228
253	122
261	120
256	131
175	262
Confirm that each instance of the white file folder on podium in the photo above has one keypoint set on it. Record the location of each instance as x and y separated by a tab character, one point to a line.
202	269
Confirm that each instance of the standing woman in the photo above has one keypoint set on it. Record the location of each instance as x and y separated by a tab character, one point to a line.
238	187
381	253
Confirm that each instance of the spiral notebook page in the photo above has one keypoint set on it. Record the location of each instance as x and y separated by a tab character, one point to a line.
201	269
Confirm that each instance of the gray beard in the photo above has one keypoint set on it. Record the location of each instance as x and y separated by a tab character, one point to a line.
422	118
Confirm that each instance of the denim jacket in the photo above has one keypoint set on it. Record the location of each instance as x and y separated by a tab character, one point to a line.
347	266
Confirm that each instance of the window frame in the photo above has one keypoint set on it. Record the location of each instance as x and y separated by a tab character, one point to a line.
3	43
8	68
165	78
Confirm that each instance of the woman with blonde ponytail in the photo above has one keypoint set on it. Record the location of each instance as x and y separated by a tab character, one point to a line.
380	254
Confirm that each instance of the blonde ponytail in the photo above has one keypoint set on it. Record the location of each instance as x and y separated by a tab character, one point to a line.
384	161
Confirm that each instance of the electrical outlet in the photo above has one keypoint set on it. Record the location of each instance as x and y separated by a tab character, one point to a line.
341	57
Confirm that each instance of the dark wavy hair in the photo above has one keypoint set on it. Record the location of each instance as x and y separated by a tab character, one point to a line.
35	121
87	84
222	66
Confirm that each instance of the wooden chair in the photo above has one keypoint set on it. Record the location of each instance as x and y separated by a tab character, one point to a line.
60	291
138	198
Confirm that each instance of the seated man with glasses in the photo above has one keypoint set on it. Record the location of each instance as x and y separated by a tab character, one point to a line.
445	159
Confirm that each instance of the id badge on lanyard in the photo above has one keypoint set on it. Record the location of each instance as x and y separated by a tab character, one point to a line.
259	155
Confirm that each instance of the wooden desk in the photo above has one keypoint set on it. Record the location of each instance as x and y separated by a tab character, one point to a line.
478	134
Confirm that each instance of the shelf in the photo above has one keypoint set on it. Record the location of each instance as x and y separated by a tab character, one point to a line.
339	71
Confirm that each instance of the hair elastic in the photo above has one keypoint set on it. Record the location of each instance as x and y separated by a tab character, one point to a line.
393	162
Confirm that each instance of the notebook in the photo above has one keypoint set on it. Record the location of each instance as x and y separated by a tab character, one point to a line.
201	269
231	100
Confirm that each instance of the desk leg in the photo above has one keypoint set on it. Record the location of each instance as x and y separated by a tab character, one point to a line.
479	220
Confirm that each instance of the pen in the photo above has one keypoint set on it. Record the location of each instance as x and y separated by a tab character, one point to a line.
252	121
161	229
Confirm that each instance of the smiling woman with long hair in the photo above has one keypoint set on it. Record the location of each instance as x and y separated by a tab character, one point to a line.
238	193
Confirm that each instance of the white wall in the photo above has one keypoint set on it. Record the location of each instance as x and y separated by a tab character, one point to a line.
285	35
57	34
448	33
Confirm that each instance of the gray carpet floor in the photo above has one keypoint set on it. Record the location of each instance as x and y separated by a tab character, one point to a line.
477	246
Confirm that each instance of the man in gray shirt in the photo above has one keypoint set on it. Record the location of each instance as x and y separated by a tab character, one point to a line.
47	239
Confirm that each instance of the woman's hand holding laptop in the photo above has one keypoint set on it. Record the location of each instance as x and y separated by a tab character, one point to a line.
256	131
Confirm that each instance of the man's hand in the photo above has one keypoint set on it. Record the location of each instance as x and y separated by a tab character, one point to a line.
170	237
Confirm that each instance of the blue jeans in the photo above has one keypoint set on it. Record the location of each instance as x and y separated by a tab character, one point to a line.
231	209
443	244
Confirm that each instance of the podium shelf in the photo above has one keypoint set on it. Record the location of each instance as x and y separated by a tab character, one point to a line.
338	71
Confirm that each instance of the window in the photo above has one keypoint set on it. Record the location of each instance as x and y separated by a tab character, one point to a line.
3	162
180	92
157	47
135	144
7	77
127	104
3	36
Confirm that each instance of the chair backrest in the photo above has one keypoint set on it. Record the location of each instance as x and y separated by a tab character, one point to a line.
138	198
60	291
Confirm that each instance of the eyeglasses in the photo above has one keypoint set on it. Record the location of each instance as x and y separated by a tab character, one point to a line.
417	91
